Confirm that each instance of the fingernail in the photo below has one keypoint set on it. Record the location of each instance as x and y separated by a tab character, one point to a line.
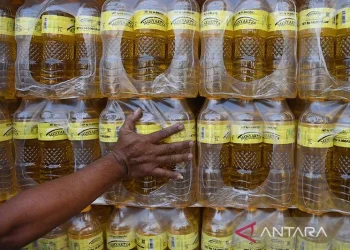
181	126
180	177
191	143
190	156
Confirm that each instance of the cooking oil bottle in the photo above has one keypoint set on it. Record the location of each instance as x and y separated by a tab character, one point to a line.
55	148
183	42
151	231
250	26
58	30
150	25
7	48
30	246
281	46
29	43
278	147
85	232
117	32
317	32
25	139
213	136
102	214
88	48
342	239
183	230
120	229
217	229
56	239
217	46
83	133
7	171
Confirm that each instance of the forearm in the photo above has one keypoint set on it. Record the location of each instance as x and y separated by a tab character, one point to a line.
34	212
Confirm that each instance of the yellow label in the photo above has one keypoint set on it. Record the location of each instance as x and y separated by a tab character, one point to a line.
60	243
184	20
121	242
316	137
51	132
216	243
277	243
87	25
279	133
283	20
217	20
147	129
155	242
6	130
251	19
183	242
342	136
31	246
28	26
308	245
150	19
214	133
94	243
343	18
247	132
25	130
317	18
83	131
339	245
117	20
110	132
58	25
248	245
188	134
7	26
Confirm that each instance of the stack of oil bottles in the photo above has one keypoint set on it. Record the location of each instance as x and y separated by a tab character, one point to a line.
271	173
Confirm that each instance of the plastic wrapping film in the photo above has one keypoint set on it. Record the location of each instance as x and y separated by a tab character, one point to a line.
249	49
323	158
58	49
150	48
246	154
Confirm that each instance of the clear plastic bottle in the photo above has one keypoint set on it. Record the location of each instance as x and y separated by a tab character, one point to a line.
213	138
183	230
57	239
217	46
7	49
151	231
88	48
102	214
83	133
58	30
85	232
317	34
342	239
55	149
30	246
117	32
250	28
278	148
120	229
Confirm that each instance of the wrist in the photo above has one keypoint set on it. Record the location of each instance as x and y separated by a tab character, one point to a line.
122	163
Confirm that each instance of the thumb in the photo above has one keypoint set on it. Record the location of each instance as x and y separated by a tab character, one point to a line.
163	173
132	119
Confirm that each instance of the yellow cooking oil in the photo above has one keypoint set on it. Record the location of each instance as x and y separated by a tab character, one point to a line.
56	239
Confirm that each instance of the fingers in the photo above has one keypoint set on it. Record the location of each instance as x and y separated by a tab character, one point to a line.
172	148
163	173
132	119
166	132
173	159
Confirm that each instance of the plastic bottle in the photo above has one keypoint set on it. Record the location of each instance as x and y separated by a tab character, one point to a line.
150	25
317	31
88	50
120	229
85	232
83	133
281	45
151	231
25	139
102	213
30	246
7	48
58	29
183	43
217	46
183	230
213	136
117	32
342	240
55	149
56	239
278	147
250	28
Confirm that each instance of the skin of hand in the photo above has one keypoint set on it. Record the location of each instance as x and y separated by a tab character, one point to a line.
35	212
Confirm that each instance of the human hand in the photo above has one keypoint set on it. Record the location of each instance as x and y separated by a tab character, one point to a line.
142	155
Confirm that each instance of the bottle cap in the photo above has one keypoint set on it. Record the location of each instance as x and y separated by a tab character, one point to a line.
87	209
